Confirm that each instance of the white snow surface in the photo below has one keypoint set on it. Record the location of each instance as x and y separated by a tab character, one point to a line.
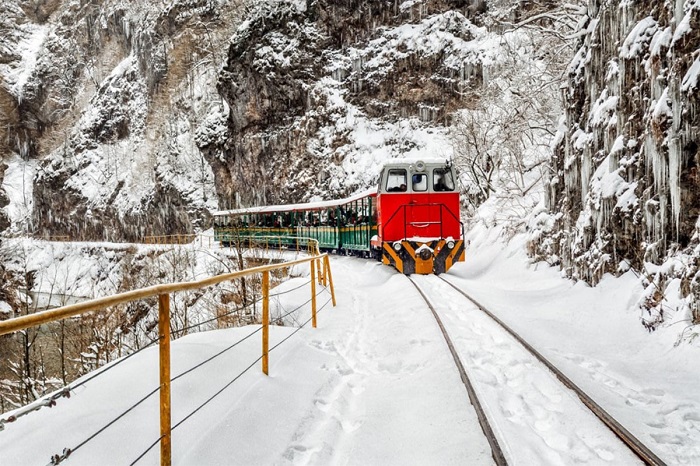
28	49
375	384
18	185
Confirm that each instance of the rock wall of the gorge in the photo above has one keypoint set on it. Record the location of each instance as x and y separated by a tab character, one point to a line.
297	70
100	102
121	120
127	119
625	188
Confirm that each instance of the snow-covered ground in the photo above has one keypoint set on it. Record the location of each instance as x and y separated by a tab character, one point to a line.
375	384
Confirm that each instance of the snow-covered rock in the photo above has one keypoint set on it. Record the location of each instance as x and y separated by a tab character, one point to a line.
629	192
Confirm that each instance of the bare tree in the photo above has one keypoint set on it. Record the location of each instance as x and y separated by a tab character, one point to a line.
502	139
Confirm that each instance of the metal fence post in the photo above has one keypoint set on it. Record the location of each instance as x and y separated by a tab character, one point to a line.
265	321
164	346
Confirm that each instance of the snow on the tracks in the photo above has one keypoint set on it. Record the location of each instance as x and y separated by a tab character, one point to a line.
540	421
647	381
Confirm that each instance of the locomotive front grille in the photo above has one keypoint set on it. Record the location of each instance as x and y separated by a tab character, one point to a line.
423	258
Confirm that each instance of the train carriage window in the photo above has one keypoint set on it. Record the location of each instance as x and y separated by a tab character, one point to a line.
442	180
396	181
419	182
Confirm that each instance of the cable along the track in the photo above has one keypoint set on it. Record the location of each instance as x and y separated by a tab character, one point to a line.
536	418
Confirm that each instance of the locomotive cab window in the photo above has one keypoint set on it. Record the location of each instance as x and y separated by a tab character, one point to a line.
396	180
419	182
442	180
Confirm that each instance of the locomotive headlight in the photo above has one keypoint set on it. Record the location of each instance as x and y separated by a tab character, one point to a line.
451	244
425	254
397	246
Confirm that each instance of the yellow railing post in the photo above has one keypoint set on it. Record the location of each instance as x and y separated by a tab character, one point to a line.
327	263
325	272
265	320
164	345
320	271
313	293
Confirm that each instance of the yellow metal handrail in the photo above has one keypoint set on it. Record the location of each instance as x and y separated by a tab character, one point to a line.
263	240
163	293
170	239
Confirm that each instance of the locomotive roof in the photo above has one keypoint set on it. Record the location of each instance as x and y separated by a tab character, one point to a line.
405	161
297	207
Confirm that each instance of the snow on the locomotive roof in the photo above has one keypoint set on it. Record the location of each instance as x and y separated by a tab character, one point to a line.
411	161
296	207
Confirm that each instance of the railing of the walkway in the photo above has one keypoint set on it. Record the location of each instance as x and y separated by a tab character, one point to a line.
318	263
265	242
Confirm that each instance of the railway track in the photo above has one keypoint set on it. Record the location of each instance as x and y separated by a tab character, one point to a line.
447	322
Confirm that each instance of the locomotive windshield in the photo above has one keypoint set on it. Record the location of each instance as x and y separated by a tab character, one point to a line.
420	182
442	180
396	181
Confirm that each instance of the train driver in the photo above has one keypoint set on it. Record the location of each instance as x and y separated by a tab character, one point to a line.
442	180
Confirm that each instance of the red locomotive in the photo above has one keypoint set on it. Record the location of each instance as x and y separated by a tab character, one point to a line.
418	226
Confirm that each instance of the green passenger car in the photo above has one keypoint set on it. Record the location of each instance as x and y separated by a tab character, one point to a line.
344	226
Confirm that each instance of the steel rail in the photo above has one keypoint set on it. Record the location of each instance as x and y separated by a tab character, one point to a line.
641	450
496	451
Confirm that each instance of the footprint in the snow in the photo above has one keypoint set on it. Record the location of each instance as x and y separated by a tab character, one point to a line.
327	346
294	452
639	398
604	453
668	439
673	408
322	405
344	371
392	367
557	441
611	383
574	358
657	425
356	389
350	426
419	342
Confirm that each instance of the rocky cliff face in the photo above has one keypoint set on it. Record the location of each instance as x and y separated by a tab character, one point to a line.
102	100
117	123
625	190
301	77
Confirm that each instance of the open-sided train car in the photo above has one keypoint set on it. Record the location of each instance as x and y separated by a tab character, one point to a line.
344	225
410	221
